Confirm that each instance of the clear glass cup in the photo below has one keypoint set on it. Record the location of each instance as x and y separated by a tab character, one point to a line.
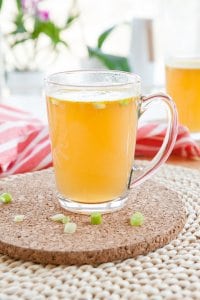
93	118
183	84
181	49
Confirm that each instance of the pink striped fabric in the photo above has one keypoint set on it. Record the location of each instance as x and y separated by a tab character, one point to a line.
25	145
24	142
150	137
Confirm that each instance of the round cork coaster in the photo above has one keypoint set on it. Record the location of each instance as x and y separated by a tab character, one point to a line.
41	240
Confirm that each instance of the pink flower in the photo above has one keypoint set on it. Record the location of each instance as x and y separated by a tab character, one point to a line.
29	4
31	7
43	15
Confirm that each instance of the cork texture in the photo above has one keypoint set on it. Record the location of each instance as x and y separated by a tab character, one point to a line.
40	240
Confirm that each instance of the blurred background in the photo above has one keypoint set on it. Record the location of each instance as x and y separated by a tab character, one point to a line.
38	37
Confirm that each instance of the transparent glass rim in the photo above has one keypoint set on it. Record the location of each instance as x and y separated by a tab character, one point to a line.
183	61
133	79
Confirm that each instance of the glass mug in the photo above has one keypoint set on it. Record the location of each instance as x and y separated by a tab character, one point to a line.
183	85
93	117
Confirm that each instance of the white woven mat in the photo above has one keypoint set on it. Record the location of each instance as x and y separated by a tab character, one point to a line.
171	273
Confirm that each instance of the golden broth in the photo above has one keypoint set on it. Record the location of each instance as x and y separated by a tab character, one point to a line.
183	85
93	146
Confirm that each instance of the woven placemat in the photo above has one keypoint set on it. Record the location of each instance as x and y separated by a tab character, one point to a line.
172	272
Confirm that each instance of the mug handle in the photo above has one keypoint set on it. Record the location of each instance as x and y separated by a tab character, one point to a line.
168	142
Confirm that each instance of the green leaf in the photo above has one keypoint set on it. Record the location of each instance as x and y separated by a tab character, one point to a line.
70	20
1	2
37	29
51	30
19	23
19	42
64	43
48	28
112	62
73	14
19	5
104	36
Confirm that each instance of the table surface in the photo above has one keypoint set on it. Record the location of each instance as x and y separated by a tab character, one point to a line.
193	164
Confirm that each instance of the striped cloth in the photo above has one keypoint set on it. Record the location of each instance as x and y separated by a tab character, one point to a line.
150	137
25	145
24	142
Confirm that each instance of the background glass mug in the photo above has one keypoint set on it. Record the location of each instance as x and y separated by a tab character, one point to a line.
93	117
183	84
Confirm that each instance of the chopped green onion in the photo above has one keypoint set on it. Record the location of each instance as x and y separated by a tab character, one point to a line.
60	218
19	218
99	105
96	218
137	219
65	219
70	227
124	102
54	101
5	198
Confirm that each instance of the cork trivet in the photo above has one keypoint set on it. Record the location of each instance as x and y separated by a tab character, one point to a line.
40	240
